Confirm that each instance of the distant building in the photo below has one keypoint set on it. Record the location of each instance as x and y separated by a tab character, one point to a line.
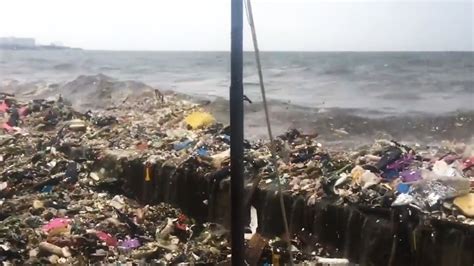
12	42
57	44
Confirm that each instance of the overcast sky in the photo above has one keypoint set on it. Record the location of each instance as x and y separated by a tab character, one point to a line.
310	25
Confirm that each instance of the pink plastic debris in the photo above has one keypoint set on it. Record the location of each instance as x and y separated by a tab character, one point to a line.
3	107
23	111
57	226
7	128
468	163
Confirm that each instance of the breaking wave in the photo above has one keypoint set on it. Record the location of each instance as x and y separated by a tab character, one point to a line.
336	125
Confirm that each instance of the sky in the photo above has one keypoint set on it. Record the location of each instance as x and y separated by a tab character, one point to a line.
287	25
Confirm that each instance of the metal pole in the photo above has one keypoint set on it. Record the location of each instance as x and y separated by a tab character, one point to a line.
237	133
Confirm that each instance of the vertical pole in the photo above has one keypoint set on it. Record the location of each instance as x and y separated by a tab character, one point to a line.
237	133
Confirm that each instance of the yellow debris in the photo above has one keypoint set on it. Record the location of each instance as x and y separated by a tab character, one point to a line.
147	174
199	120
465	204
357	173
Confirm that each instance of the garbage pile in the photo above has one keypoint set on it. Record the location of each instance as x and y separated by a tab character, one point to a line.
51	210
54	209
56	203
437	181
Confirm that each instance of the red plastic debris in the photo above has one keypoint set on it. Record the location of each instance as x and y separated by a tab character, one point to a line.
181	227
107	238
180	224
182	218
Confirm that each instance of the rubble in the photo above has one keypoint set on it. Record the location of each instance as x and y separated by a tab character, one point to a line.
59	166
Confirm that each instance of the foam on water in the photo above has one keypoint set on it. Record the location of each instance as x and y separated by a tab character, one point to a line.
385	92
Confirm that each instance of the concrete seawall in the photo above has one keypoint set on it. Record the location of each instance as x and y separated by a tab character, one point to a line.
364	235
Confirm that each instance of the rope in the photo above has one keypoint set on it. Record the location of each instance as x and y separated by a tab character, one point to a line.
248	8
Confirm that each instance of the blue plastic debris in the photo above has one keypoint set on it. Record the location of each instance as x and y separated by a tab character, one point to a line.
47	189
390	174
403	188
182	145
202	151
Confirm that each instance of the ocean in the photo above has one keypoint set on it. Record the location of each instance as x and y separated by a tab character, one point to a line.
417	96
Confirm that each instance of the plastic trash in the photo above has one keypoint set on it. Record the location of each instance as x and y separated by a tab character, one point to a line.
403	199
117	202
403	188
391	155
3	185
357	173
7	128
180	224
369	179
390	174
47	189
38	204
40	159
3	107
182	145
107	238
401	163
410	175
432	191
128	244
203	152
199	120
77	125
57	226
441	168
468	163
465	204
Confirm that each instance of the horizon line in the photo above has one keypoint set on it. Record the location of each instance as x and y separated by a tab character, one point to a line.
287	51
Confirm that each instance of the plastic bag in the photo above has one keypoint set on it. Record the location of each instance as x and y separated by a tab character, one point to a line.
199	120
431	191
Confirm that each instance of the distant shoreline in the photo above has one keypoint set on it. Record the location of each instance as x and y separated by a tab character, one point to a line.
273	51
47	47
39	48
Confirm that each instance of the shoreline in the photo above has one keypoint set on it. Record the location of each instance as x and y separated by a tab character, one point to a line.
153	134
333	125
